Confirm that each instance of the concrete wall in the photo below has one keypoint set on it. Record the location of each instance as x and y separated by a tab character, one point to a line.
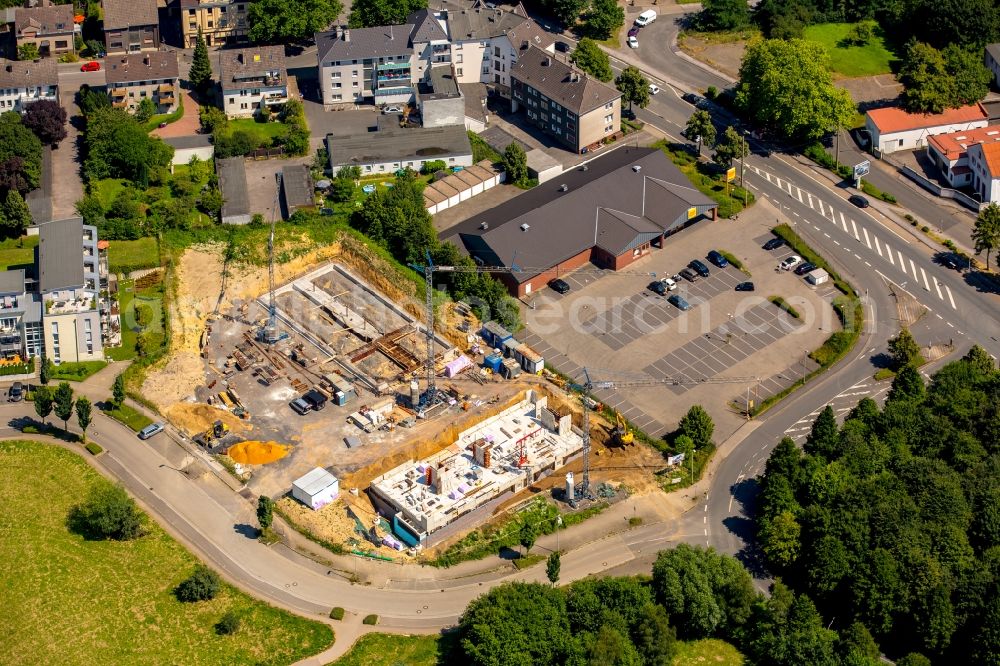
184	155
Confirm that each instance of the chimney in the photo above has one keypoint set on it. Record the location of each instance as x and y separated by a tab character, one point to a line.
145	60
564	188
574	77
546	61
339	32
347	35
240	58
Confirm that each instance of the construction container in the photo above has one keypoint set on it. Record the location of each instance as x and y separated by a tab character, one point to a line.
510	348
343	391
529	359
570	487
510	368
818	276
494	334
493	362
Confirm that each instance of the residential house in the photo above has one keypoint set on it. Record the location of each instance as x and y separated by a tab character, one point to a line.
891	128
564	102
392	148
992	61
252	79
366	65
134	77
429	39
984	160
130	26
26	81
20	316
439	99
950	152
221	21
47	26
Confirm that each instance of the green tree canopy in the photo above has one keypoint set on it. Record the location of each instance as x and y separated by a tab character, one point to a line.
373	13
15	216
84	414
723	15
42	402
119	147
936	80
515	163
200	74
903	349
107	513
634	87
20	154
118	389
604	17
786	87
265	512
552	566
697	425
202	585
282	21
700	125
63	400
589	57
732	146
986	231
28	51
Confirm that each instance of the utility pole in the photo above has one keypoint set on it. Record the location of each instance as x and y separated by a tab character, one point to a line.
743	168
836	141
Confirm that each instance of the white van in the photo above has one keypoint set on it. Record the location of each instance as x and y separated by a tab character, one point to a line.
646	17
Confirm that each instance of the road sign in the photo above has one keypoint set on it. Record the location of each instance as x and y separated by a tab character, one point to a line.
862	169
731	173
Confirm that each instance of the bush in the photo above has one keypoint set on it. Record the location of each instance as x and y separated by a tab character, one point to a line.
712	92
227	624
337	613
30	430
93	448
784	305
202	585
370	619
634	521
107	513
433	166
925	228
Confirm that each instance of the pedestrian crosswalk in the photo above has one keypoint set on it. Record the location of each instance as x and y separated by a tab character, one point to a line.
861	235
842	404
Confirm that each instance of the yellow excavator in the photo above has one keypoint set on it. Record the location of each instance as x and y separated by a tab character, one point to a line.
621	435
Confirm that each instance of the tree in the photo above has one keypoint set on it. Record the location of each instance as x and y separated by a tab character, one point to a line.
863	32
20	154
718	15
372	13
731	147
43	402
913	659
64	403
527	536
84	414
44	370
907	385
212	119
654	638
567	11
903	349
16	216
282	21
604	17
515	163
986	231
28	51
697	425
611	648
146	110
823	436
936	80
552	566
265	512
201	585
780	540
118	146
229	623
107	513
786	87
699	128
210	202
858	647
589	57
90	99
634	87
47	119
200	74
342	189
118	390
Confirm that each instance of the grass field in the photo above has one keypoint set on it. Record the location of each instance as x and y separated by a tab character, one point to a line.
392	650
129	416
17	252
71	601
850	61
123	253
263	131
708	651
76	372
128	298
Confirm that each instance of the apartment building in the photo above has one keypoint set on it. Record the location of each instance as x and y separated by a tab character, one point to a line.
26	81
47	26
221	21
577	110
130	26
134	77
20	317
366	65
252	79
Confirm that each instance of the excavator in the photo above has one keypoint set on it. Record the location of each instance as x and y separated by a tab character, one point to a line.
217	431
621	435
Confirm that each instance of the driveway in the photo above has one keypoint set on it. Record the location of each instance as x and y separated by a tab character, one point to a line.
66	161
188	124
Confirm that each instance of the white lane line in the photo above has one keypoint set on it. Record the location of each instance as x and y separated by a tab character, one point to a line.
867	242
868	264
822	211
826	234
950	325
810	199
913	267
843	223
855	227
937	314
888	252
768	176
937	285
952	300
924	276
799	190
877	246
837	242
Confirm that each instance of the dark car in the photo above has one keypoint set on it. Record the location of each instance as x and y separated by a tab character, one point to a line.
562	47
559	285
628	114
716	258
774	244
859	201
658	287
700	268
16	393
745	286
691	98
689	275
678	301
633	31
805	268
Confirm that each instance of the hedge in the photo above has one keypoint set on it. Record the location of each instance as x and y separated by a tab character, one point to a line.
93	448
370	619
784	305
337	613
18	369
731	258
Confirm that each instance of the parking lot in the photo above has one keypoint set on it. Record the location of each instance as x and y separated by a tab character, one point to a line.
728	345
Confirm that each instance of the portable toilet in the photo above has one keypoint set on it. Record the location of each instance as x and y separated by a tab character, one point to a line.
493	362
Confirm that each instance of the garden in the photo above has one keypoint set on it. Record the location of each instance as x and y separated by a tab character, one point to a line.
856	49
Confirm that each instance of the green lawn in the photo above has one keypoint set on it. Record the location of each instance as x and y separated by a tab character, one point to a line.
393	650
168	118
264	131
708	651
72	601
129	254
76	372
128	298
17	252
850	61
129	416
107	189
702	176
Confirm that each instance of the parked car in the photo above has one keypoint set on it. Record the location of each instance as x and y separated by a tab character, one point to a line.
774	244
691	98
745	286
646	17
559	285
657	287
628	114
653	88
716	258
670	283
790	263
301	406
700	268
633	31
150	430
859	201
633	43
16	393
689	275
392	109
562	47
678	301
802	269
90	66
950	261
316	400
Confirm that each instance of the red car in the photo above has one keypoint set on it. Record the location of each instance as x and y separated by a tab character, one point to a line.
92	66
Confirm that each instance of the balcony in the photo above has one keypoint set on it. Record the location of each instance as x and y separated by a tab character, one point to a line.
388	92
70	303
166	100
165	88
393	66
269	99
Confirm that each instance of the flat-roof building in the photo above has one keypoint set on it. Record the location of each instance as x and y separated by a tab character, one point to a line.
232	175
390	149
297	188
891	128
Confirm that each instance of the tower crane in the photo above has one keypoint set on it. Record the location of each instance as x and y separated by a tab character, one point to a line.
270	333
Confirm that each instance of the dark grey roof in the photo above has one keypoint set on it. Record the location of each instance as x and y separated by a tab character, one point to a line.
60	254
247	67
54	19
129	13
28	73
561	81
360	43
529	33
481	23
12	282
994	51
133	67
233	184
610	205
425	28
443	84
189	141
398	145
297	185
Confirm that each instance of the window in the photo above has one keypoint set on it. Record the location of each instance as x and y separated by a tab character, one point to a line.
486	69
354	84
55	341
609	105
458	46
211	24
496	51
608	129
336	86
337	98
608	118
336	75
354	73
458	72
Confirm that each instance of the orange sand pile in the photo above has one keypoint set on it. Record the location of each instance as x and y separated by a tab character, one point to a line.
257	453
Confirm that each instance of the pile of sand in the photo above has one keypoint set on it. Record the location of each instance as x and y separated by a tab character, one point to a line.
196	417
257	453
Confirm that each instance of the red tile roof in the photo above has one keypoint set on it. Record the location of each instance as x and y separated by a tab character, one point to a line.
991	153
891	119
954	144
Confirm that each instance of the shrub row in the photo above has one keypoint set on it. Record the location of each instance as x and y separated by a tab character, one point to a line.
784	305
817	154
807	253
94	448
731	258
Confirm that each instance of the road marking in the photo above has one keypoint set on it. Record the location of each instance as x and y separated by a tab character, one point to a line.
877	246
855	227
867	242
888	252
937	285
947	289
913	267
902	262
778	183
936	314
843	223
704	519
822	211
837	242
799	190
768	176
810	199
950	325
856	256
868	265
924	276
706	508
